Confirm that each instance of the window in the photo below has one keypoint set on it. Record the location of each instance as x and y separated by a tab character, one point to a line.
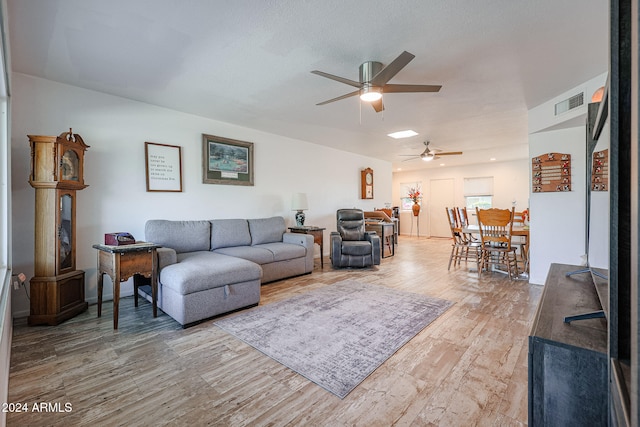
480	202
6	323
478	193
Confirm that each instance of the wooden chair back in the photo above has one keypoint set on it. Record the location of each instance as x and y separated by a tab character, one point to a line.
456	231
463	218
518	218
495	227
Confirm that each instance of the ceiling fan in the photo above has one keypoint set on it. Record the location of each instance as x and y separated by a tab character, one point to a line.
429	154
373	81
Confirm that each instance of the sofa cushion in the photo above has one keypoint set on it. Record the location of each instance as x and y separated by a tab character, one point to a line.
361	247
251	253
284	251
266	230
199	271
229	232
182	236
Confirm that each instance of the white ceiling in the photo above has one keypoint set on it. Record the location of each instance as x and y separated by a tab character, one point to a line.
249	62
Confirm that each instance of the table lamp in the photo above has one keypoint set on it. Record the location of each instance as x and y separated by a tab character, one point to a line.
299	203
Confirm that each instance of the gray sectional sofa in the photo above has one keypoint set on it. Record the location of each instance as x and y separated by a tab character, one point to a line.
207	268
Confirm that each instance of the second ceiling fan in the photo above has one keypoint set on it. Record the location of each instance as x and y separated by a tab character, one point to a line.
429	154
373	81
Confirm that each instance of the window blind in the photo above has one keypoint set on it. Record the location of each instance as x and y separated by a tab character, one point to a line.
479	186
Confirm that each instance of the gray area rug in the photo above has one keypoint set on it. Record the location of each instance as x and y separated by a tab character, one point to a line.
338	335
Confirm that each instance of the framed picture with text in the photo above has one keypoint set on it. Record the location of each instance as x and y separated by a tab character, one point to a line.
163	167
226	161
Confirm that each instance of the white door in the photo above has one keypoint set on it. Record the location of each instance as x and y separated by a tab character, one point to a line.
441	197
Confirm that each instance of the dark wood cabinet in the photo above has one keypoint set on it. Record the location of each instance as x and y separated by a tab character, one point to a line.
568	361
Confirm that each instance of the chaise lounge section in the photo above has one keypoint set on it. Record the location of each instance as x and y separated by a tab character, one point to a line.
208	268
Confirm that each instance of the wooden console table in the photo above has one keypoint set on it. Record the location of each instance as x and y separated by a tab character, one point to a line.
568	361
121	263
318	237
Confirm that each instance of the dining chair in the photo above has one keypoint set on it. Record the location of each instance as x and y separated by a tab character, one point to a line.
518	218
520	241
463	222
495	227
461	247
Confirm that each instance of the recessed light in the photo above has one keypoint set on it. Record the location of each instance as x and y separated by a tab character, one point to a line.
492	159
403	134
441	164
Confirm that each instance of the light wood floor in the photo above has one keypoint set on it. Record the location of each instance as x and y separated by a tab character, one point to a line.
469	367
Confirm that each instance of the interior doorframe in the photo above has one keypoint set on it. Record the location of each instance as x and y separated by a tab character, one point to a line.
436	211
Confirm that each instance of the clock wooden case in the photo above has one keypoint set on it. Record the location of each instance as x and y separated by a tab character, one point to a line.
57	173
366	183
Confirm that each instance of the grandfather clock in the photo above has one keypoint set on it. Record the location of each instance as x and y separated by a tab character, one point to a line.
57	173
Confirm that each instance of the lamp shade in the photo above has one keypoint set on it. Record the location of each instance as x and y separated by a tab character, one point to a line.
299	202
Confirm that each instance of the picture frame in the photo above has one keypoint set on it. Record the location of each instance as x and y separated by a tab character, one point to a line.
366	183
226	161
163	166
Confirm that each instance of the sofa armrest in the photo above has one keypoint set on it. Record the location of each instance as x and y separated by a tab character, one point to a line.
335	244
305	240
166	256
373	237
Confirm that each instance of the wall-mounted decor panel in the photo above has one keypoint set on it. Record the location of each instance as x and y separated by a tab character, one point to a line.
600	171
551	173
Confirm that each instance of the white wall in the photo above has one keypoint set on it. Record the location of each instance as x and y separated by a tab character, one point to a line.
511	182
116	199
558	219
543	116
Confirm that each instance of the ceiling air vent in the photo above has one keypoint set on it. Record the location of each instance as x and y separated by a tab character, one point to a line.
569	104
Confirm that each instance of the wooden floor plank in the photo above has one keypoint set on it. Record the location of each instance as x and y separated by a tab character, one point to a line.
469	367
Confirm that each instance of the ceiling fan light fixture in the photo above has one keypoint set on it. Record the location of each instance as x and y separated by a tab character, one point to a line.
370	94
428	157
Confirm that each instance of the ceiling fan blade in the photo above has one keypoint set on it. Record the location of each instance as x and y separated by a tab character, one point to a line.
378	105
414	157
339	97
338	78
449	153
391	88
392	69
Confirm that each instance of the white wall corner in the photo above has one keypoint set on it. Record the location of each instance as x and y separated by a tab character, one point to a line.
544	118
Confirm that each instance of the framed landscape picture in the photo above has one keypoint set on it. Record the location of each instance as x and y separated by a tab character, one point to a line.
226	161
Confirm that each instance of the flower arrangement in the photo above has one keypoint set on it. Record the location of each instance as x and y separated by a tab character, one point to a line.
415	194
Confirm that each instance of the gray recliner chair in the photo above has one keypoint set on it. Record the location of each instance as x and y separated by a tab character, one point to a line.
351	245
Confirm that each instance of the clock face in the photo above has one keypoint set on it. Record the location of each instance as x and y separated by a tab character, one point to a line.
369	178
69	166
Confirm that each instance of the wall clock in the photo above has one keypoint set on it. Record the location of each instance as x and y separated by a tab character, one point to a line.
366	183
